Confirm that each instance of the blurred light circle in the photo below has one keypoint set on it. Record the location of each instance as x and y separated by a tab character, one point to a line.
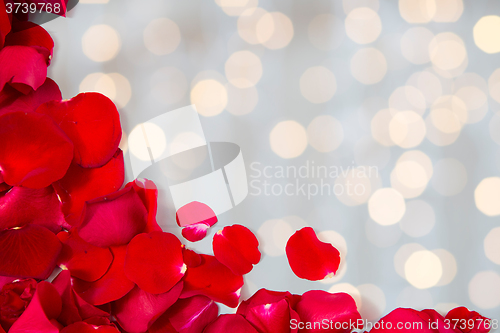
334	238
449	264
450	177
114	85
266	237
448	10
241	101
349	289
380	127
487	196
382	236
236	7
471	88
101	43
353	188
438	137
162	36
373	301
411	174
418	299
288	139
449	114
168	85
419	218
484	290
423	269
243	69
447	51
402	255
428	84
350	5
415	45
282	33
325	133
407	129
407	98
368	66
492	245
494	85
209	97
318	84
486	32
156	138
386	206
417	11
326	32
247	26
123	145
363	25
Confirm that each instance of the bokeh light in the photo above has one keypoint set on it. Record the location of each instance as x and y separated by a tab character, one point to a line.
326	32
407	129
368	66
209	97
373	301
415	45
417	11
412	173
484	290
243	69
162	36
386	206
318	84
101	43
487	196
423	269
114	85
363	25
486	33
492	245
282	31
449	264
156	139
288	139
325	133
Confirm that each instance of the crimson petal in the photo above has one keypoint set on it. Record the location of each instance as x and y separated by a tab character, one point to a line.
195	232
92	122
4	23
317	305
214	280
83	327
195	212
139	309
113	219
231	322
147	191
25	33
154	261
24	67
462	314
237	248
309	258
29	251
31	145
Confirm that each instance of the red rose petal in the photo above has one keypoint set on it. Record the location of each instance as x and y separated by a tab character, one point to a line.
231	322
112	286
154	261
139	309
83	327
190	315
237	248
34	151
191	258
43	308
481	324
147	191
83	184
92	122
195	232
113	219
14	298
195	212
318	305
213	280
21	206
309	258
85	261
4	23
30	251
24	67
25	33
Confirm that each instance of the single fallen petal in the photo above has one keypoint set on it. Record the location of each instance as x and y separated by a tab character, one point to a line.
317	305
213	280
29	251
237	248
83	184
22	206
139	309
92	122
113	219
112	286
195	232
231	322
195	212
154	261
309	258
83	260
31	145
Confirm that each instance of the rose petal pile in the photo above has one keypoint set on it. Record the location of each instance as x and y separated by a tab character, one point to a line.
66	214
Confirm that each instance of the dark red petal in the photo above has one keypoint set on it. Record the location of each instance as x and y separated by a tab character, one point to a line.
113	219
83	327
310	258
318	305
190	315
12	100
139	309
21	206
112	286
92	122
191	258
34	151
482	324
22	66
154	261
27	33
84	261
4	23
43	308
231	323
195	212
195	232
148	192
213	280
237	248
30	251
83	184
14	298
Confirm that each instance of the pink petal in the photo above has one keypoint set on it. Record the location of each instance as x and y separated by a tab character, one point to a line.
195	212
139	309
310	258
213	280
92	122
31	143
318	305
30	251
154	261
24	67
237	248
195	232
113	219
231	323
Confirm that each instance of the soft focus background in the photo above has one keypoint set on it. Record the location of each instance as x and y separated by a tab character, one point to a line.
408	91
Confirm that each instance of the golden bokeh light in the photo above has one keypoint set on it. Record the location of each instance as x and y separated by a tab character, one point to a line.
492	245
386	206
318	84
448	10
363	25
423	269
247	26
288	139
484	290
402	255
447	51
243	69
407	129
368	66
275	30
162	36
210	97
417	11
236	7
428	84
486	32
487	196
157	141
101	43
412	173
449	264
